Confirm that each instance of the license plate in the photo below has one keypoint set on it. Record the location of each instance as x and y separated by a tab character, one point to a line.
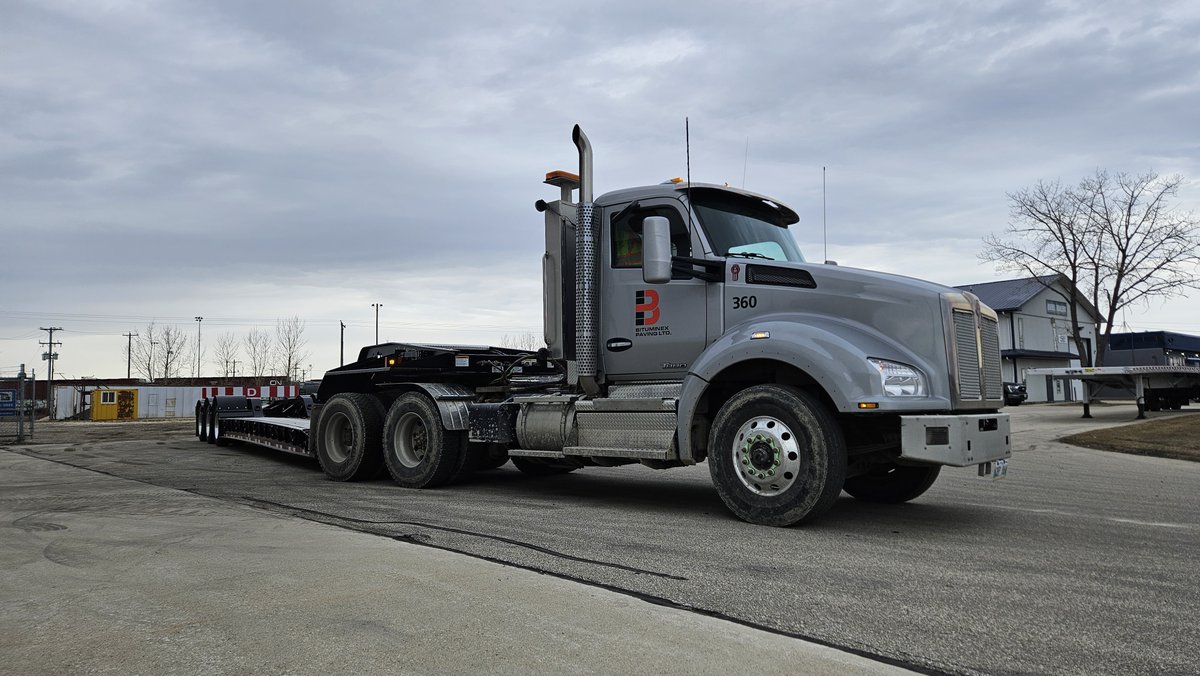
996	469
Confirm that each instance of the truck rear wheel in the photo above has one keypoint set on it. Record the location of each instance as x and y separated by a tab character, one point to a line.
493	456
348	437
776	456
892	484
418	450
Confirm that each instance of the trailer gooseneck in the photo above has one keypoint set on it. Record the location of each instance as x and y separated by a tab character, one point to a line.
682	325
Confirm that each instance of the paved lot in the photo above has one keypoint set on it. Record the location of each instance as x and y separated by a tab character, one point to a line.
1080	562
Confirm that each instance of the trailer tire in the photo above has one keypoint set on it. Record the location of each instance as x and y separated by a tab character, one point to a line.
544	467
892	484
776	456
418	450
211	422
348	437
202	419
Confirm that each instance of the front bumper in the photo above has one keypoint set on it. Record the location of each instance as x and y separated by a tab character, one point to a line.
956	440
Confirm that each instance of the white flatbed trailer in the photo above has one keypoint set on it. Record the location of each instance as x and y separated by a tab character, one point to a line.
1143	380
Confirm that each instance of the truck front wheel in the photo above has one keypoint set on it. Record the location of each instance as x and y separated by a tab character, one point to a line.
348	437
776	456
419	452
891	483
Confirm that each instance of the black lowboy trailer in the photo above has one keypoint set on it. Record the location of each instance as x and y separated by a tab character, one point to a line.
439	382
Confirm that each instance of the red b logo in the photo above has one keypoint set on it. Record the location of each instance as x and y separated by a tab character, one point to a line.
646	307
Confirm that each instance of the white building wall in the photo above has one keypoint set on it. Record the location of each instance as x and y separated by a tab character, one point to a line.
163	402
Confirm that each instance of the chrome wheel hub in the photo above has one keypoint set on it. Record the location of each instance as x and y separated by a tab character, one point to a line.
766	456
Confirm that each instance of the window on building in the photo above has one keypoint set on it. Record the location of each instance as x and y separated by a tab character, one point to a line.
1056	308
108	397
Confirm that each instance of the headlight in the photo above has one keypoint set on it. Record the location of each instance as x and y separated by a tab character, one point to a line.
899	380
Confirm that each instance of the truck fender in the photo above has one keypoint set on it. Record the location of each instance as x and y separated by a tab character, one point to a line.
833	352
451	402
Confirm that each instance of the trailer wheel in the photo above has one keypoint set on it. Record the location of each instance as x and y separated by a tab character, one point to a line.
210	422
418	450
776	456
891	484
543	466
202	419
348	437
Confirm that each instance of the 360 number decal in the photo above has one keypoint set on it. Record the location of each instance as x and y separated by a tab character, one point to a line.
743	302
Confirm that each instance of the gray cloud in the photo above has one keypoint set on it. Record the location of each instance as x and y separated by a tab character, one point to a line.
248	161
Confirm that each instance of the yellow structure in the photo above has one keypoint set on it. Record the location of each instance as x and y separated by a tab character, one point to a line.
114	405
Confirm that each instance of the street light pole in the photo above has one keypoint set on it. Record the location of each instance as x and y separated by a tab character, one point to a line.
376	306
152	344
198	320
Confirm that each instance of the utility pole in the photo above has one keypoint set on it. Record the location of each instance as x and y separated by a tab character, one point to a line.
376	306
342	354
129	355
50	355
198	320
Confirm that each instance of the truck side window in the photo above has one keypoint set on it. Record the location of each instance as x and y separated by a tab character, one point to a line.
627	237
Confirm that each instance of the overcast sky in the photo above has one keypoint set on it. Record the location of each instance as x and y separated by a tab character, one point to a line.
246	161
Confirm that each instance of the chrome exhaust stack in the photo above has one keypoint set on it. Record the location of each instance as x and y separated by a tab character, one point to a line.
585	271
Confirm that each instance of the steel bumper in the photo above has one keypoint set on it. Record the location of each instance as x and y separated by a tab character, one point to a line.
956	440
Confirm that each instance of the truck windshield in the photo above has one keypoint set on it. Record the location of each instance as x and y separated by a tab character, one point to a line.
745	228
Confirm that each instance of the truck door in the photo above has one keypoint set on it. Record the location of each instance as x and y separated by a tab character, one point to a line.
647	330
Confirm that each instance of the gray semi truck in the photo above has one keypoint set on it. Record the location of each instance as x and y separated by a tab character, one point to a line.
682	325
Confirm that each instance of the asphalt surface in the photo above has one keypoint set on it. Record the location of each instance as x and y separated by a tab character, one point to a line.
1081	561
104	575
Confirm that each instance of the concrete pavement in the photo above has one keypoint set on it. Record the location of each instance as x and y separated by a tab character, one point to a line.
108	575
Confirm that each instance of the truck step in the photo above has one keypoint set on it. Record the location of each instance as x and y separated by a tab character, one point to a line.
525	453
639	453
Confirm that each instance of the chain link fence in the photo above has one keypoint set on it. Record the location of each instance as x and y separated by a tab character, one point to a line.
16	410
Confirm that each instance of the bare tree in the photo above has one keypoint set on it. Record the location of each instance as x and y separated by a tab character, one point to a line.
175	351
523	340
142	352
225	356
1115	237
258	352
289	344
161	352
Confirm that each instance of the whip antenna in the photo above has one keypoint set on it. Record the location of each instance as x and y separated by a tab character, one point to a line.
824	226
687	146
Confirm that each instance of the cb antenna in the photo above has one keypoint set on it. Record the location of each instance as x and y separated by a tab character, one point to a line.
687	146
824	225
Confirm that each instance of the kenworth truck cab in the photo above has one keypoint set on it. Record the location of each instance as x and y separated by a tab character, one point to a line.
682	325
692	324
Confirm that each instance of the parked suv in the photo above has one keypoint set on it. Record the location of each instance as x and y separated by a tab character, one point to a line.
1014	394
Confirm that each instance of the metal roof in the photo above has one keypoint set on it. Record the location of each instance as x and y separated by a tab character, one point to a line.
1012	294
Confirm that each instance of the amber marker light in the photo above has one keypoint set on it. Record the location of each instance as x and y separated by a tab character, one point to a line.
868	405
760	335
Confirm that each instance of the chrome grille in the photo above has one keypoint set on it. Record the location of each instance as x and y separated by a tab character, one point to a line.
991	358
968	356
